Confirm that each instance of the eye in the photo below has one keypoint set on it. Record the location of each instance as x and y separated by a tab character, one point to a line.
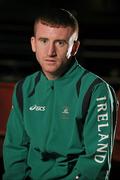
43	40
61	43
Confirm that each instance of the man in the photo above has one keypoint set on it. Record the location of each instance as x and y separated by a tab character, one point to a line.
60	126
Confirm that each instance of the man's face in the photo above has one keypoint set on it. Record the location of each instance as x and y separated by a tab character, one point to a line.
53	47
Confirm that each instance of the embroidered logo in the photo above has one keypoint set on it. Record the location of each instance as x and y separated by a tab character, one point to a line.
37	108
65	112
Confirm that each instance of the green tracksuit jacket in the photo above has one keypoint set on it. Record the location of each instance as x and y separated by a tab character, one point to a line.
53	136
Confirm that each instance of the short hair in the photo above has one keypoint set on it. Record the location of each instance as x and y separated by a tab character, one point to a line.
56	17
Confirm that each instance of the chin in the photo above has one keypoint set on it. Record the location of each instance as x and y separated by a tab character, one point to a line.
51	71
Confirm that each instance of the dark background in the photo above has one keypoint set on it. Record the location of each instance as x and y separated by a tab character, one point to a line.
99	22
99	34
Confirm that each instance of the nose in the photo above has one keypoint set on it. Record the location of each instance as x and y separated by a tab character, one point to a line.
52	50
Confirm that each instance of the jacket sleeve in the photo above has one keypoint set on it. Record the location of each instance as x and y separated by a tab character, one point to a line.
15	147
98	136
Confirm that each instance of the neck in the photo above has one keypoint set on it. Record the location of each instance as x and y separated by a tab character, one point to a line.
60	72
51	76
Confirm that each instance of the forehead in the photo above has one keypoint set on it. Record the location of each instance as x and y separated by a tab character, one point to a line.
48	30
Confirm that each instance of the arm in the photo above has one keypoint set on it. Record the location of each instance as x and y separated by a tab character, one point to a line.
116	149
98	137
15	146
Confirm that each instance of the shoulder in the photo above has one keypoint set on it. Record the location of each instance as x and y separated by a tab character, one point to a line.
92	82
30	79
89	78
99	87
28	83
87	75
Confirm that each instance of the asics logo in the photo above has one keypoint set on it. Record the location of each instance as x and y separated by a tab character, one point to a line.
37	108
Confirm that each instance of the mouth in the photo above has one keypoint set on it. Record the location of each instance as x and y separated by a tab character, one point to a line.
51	61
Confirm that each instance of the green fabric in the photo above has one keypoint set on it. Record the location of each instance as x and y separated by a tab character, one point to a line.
52	140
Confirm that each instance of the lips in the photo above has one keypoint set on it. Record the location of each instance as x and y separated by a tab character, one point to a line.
50	61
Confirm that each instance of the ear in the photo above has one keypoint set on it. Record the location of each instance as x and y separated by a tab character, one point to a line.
33	44
75	47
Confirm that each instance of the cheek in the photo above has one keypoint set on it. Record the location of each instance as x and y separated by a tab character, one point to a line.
63	52
38	54
40	51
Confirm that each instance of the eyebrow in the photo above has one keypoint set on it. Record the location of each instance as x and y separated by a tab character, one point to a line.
54	40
